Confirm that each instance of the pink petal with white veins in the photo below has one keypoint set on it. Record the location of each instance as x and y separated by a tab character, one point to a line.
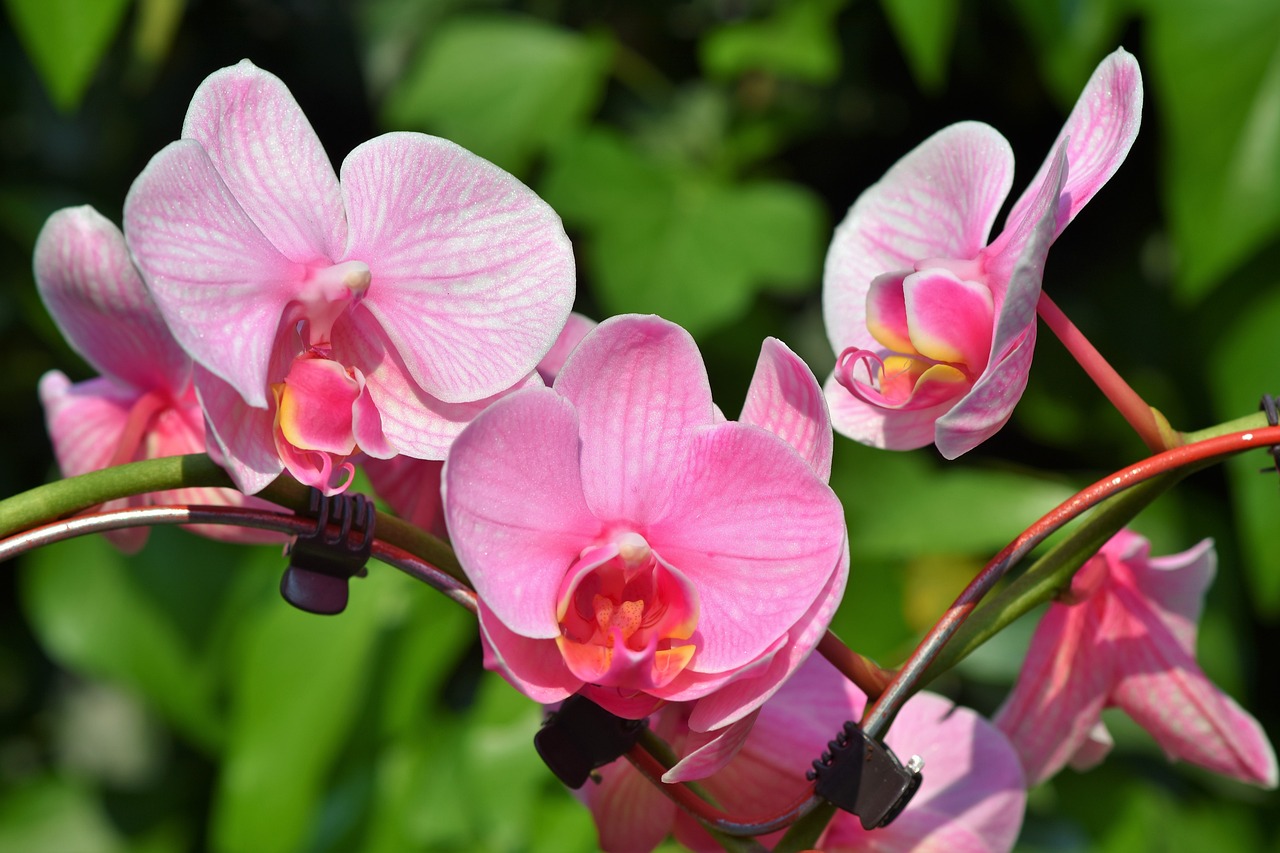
640	388
85	420
746	513
240	437
220	284
89	284
939	201
515	509
889	429
271	160
786	399
473	276
949	319
1097	136
534	667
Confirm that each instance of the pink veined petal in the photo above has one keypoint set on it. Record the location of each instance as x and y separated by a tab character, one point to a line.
534	667
473	276
786	399
707	752
640	388
889	429
219	283
1062	689
93	292
515	509
939	201
270	159
1094	749
239	436
1097	135
631	814
1174	587
758	534
411	487
575	329
85	420
949	319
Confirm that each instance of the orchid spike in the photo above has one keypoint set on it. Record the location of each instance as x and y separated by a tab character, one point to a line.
142	406
624	539
375	314
971	799
1125	636
933	326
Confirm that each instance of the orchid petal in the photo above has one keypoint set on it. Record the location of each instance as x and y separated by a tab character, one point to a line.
887	312
85	420
575	329
939	201
640	388
1174	587
889	429
1097	135
737	482
708	752
472	274
949	319
240	436
270	159
785	398
533	666
219	283
411	487
631	814
93	292
515	507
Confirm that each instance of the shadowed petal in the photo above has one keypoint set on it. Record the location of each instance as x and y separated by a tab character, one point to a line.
535	667
240	437
785	399
411	487
707	752
889	429
85	420
631	814
473	276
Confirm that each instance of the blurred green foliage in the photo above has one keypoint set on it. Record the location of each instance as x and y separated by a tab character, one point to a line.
700	152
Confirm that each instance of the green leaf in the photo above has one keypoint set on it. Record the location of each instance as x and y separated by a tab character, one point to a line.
1216	70
53	816
504	87
797	41
66	40
1244	365
671	240
925	29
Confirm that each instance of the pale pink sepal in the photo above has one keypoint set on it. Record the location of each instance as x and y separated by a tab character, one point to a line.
785	398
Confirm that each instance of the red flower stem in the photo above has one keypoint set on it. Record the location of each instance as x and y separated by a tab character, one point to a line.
1128	402
870	678
880	712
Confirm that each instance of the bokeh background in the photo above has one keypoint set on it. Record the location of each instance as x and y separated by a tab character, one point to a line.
700	153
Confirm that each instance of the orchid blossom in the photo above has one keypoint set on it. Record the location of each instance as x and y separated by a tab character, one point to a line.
971	798
934	326
1125	636
375	314
628	543
142	405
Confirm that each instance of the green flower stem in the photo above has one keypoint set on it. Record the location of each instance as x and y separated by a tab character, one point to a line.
69	496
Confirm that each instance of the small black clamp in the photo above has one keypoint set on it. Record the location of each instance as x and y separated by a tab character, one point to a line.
320	563
581	736
862	776
1270	406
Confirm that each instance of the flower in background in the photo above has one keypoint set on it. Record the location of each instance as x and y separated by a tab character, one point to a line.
628	543
1125	637
934	326
375	314
142	405
971	798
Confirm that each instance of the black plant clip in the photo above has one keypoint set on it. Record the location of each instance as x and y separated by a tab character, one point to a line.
582	736
862	776
321	563
1269	406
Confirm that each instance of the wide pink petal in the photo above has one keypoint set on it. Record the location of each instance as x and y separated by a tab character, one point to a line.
239	436
755	575
534	667
89	284
640	389
473	276
221	286
1061	690
575	329
1097	135
631	814
271	160
411	487
889	429
786	399
515	508
939	201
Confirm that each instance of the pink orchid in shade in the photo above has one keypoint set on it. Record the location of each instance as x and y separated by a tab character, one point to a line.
411	487
971	798
934	326
375	314
142	405
628	543
1125	636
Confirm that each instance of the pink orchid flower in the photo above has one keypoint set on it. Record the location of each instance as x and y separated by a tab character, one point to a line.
411	486
142	406
934	326
375	314
628	543
971	799
1125	636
